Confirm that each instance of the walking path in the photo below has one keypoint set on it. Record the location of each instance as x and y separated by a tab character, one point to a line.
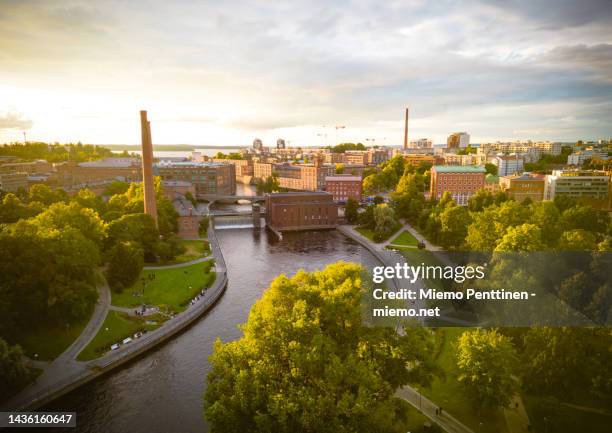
179	265
65	373
516	416
411	395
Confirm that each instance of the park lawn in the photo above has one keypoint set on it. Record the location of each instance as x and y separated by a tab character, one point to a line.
405	239
115	328
49	341
172	288
447	392
416	421
194	249
566	419
370	233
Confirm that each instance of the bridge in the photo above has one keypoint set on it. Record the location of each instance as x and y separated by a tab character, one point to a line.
230	198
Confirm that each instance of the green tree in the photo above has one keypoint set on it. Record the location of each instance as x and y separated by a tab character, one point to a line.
203	228
481	200
486	361
61	216
351	211
526	237
14	374
384	221
577	240
546	216
491	168
454	222
307	363
45	195
340	168
125	262
138	228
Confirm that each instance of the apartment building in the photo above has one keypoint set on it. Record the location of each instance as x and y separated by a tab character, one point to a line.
508	164
12	182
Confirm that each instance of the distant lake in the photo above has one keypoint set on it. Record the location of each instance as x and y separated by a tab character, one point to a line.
183	153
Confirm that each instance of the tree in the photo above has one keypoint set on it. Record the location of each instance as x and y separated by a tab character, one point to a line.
454	222
577	240
203	228
546	216
61	216
138	228
491	168
125	262
526	237
486	360
14	374
307	363
45	195
384	221
586	218
481	200
339	168
351	211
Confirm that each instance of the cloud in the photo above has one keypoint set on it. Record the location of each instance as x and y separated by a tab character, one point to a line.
14	120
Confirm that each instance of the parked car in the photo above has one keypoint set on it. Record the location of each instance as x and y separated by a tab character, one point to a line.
127	340
115	346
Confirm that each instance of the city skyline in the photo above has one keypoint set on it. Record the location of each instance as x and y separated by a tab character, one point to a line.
213	74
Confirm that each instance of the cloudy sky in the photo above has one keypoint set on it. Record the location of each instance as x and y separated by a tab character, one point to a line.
224	72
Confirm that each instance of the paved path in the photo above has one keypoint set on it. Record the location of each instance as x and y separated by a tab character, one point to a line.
390	258
180	265
428	408
516	416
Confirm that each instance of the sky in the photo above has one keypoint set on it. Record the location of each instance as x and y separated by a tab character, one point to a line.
226	72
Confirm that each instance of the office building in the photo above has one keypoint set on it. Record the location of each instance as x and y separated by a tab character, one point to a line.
280	143
577	184
522	186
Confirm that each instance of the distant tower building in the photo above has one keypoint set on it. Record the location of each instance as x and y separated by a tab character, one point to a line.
150	205
458	140
280	143
406	131
257	144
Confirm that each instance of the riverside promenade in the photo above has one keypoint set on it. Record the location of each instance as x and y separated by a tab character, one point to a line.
66	373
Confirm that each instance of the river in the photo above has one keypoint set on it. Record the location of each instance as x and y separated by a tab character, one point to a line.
162	391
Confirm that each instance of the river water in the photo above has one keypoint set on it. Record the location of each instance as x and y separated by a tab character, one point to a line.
162	391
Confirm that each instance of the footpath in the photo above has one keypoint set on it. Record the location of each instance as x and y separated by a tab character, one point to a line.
66	373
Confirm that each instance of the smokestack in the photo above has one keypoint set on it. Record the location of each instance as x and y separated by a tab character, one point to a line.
150	205
406	131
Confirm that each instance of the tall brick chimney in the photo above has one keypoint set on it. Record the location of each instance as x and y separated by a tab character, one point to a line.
406	131
150	205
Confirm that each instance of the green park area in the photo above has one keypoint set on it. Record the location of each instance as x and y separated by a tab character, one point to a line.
49	341
194	249
448	392
405	239
116	327
371	234
171	287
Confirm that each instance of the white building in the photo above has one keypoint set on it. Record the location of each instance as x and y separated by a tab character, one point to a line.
578	158
508	164
576	184
421	143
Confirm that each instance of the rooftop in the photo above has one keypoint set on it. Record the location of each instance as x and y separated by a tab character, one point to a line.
112	162
168	163
341	178
526	176
459	169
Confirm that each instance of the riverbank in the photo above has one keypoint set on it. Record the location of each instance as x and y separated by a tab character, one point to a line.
68	374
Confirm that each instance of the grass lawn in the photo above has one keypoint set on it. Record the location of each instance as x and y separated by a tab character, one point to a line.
416	421
370	233
194	249
116	327
49	341
171	288
405	239
565	419
449	393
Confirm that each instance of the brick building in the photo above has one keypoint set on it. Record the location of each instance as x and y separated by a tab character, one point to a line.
301	211
12	182
462	181
206	177
526	185
343	187
70	174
